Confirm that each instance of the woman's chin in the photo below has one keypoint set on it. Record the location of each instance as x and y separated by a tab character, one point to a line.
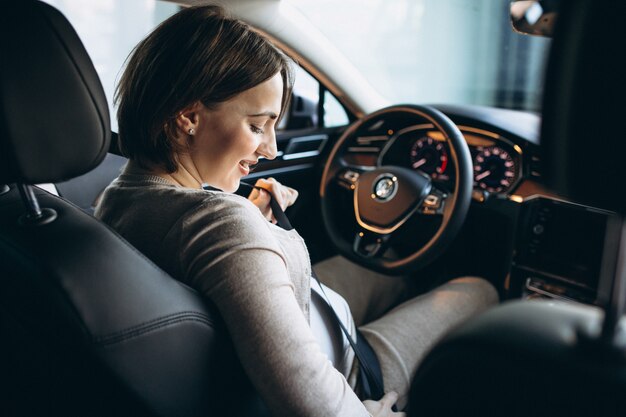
231	186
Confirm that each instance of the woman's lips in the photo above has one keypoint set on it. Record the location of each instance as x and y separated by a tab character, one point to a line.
246	166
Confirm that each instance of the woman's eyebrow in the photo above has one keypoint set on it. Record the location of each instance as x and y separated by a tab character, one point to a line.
269	114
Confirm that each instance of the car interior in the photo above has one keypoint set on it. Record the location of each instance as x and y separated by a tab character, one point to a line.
534	203
542	357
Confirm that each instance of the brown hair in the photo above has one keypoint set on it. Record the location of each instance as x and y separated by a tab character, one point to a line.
198	54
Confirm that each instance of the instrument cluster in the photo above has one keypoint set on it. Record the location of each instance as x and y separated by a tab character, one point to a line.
497	161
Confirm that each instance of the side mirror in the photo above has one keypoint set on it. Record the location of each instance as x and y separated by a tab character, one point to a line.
534	17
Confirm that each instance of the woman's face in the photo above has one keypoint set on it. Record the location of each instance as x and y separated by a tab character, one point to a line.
230	138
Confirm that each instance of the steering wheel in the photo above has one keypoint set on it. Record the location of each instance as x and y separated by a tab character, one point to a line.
386	197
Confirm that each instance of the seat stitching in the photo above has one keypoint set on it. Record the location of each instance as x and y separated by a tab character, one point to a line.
151	326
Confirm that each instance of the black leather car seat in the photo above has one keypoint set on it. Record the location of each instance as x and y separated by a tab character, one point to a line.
88	325
546	358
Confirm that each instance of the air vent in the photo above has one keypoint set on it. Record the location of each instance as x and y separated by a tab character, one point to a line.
368	144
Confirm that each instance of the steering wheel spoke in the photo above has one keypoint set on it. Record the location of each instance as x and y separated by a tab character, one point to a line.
347	177
369	244
434	204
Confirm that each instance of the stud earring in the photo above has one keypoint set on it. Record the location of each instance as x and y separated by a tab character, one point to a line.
191	131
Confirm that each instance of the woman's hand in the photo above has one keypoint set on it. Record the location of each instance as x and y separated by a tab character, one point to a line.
382	408
285	196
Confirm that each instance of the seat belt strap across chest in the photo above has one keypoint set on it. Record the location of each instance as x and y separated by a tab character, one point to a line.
369	369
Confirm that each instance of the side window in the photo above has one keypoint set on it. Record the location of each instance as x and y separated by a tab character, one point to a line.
334	113
109	35
312	106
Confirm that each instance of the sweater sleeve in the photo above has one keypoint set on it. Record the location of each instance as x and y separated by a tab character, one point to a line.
230	255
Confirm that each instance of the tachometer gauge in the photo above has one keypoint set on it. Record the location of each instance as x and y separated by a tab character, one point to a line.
429	156
494	169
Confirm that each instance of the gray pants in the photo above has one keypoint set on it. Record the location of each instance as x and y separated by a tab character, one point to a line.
403	335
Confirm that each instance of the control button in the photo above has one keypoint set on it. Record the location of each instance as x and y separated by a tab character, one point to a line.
538	229
351	176
432	201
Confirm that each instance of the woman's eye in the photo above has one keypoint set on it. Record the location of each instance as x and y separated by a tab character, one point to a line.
256	129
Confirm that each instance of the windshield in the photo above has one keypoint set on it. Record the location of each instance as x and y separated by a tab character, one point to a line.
436	51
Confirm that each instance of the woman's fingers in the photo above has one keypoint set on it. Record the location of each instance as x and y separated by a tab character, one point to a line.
382	407
261	199
291	196
389	399
260	196
285	196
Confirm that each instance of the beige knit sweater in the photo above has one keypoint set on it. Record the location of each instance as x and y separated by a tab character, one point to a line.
256	273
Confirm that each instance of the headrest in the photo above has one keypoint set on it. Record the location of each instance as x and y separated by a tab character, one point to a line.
54	119
584	142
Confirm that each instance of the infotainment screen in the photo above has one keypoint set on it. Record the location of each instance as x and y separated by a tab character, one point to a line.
564	240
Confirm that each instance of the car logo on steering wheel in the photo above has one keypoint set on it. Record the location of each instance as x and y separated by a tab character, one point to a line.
385	187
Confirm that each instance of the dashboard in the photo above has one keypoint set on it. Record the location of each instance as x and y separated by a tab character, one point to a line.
499	160
518	233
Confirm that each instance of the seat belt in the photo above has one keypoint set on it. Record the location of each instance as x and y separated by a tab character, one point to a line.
369	369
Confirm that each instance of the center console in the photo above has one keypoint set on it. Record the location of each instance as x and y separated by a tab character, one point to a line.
558	251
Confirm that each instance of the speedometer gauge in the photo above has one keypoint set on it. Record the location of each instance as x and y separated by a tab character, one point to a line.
429	156
494	169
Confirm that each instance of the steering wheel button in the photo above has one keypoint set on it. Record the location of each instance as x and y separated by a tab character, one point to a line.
351	176
432	201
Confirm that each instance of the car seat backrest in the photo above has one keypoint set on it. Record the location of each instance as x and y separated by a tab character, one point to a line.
88	325
55	121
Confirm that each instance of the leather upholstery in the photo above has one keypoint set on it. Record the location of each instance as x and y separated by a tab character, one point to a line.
88	325
526	358
79	289
85	190
54	119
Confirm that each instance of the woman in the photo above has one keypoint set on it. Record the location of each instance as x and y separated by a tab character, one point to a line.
198	105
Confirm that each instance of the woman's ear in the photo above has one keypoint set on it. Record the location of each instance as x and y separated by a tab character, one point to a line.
187	120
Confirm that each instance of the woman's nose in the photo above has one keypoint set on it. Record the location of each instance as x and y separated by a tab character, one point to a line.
267	148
